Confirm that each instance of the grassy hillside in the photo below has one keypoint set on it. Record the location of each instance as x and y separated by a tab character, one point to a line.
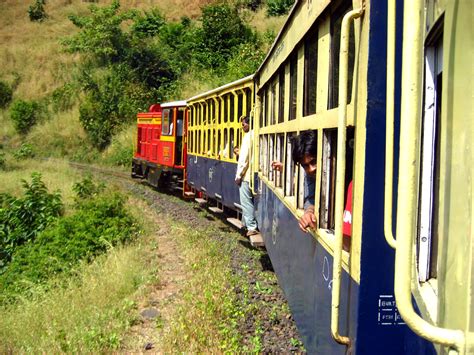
36	66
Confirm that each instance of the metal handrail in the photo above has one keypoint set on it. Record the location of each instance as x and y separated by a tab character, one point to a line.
388	200
412	69
340	175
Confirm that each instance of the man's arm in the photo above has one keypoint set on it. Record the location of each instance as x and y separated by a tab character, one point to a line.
308	220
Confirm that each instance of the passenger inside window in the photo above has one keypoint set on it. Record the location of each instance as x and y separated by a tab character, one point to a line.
304	153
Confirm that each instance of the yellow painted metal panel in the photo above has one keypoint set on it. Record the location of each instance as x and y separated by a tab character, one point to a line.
322	84
167	138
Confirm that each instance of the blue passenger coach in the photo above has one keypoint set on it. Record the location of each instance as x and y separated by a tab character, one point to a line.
333	69
213	132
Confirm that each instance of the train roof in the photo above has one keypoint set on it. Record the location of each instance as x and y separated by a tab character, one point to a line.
174	104
222	88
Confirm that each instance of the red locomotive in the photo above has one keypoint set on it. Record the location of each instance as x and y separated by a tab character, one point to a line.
160	155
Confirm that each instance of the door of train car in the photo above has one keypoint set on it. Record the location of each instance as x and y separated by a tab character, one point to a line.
433	238
172	129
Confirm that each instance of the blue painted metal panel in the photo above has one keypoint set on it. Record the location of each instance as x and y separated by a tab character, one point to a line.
215	176
304	270
379	326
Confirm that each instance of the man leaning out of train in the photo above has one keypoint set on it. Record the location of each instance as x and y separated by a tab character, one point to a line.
304	153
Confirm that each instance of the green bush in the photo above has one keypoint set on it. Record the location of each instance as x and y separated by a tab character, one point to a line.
62	98
101	37
279	7
121	156
37	12
149	24
6	94
245	61
21	219
222	31
24	115
97	225
25	152
87	189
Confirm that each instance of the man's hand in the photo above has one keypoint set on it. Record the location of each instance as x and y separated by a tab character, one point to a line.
238	181
276	165
308	220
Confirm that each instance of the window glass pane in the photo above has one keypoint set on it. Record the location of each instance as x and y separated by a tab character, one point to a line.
249	99
427	242
279	158
226	108
328	179
232	143
240	103
293	85
231	107
336	22
273	103
289	170
281	95
166	123
310	73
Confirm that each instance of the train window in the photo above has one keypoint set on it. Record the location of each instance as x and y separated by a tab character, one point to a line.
232	145
248	100
212	111
273	103
278	156
281	95
427	243
300	188
310	72
269	106
336	22
166	123
263	111
231	107
264	155
225	150
199	143
289	170
240	103
328	174
328	179
226	108
205	115
179	123
271	153
219	149
293	85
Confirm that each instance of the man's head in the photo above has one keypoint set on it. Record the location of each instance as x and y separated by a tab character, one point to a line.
245	121
305	151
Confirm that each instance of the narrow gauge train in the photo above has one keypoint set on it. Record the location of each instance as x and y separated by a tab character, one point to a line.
381	83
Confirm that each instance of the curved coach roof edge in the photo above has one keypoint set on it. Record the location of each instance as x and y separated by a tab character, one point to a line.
173	104
220	88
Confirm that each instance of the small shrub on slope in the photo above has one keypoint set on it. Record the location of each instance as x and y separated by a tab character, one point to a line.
22	219
97	225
